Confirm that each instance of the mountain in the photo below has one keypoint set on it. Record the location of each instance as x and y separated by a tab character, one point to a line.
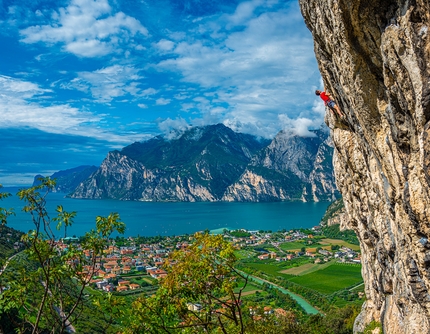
289	168
214	163
374	59
69	179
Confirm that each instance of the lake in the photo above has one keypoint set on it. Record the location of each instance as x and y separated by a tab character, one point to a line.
170	218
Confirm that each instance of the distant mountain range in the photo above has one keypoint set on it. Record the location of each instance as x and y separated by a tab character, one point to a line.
211	163
69	179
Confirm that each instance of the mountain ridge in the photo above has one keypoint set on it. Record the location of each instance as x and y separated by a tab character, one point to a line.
210	163
214	163
67	180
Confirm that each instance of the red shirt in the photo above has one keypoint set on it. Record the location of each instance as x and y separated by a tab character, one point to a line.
324	97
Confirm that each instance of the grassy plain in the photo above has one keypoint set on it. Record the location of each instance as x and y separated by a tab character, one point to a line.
335	242
244	254
267	268
332	278
306	269
291	246
249	288
325	243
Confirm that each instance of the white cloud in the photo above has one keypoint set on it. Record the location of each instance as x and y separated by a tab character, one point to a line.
299	126
162	101
243	69
165	45
19	110
23	89
89	48
244	12
149	91
263	68
108	83
173	128
187	106
86	28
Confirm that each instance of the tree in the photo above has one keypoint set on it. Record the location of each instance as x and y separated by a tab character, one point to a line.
4	213
198	293
48	292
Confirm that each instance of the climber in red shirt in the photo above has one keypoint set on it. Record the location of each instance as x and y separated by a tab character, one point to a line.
326	97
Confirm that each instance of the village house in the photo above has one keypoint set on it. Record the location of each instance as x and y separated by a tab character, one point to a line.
110	277
134	286
125	270
311	254
109	288
324	252
123	283
267	310
116	270
157	273
99	273
101	284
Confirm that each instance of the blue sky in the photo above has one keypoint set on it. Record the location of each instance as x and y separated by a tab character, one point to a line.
79	78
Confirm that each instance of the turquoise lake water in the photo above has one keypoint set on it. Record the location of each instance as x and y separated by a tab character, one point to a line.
166	219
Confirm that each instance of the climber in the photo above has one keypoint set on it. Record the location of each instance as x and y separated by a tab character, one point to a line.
326	97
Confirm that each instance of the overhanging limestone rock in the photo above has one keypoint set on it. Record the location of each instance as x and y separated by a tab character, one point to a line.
374	57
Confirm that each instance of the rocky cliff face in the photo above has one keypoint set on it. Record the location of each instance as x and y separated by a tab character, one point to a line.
120	177
214	163
335	215
289	168
374	57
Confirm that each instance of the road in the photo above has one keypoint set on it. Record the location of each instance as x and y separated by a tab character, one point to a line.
7	262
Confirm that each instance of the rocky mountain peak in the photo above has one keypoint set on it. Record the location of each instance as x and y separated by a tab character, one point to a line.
214	163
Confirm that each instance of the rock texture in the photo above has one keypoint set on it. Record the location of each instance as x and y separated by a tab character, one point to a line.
214	163
374	58
335	215
289	168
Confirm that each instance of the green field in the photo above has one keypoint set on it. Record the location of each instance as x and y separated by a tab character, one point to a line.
267	268
244	254
331	279
327	241
274	268
293	245
306	268
248	288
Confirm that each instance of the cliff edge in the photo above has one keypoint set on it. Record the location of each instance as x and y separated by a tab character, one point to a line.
374	57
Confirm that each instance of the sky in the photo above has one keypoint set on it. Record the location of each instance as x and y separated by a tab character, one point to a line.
80	78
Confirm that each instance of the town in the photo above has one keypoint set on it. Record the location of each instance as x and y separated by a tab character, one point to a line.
129	264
